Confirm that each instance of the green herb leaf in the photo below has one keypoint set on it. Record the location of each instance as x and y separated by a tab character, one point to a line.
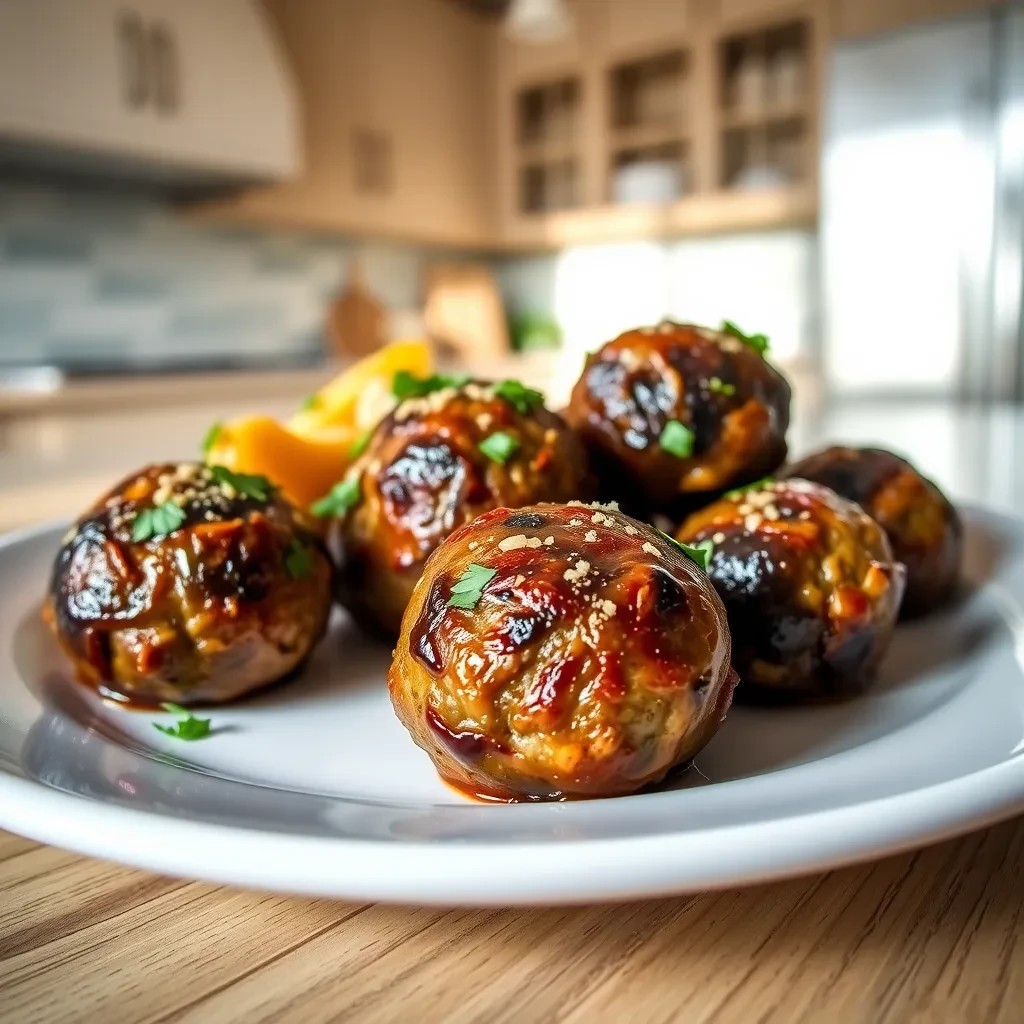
757	485
700	554
309	402
677	439
718	387
499	446
249	485
359	445
298	561
211	436
157	522
468	588
758	342
187	727
407	385
338	500
519	396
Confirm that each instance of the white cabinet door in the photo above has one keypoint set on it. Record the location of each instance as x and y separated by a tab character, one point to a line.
192	85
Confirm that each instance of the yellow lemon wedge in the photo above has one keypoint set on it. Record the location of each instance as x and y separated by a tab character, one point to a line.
360	397
310	453
305	469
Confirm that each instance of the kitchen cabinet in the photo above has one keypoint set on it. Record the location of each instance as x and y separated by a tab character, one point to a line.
397	105
428	123
687	115
875	17
171	87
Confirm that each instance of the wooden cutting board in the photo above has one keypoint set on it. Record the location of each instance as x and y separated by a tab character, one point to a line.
463	313
357	322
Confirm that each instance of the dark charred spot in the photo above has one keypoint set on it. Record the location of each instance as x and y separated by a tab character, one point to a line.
465	746
423	644
525	521
670	595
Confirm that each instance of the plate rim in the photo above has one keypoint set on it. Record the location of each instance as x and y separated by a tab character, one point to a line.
573	871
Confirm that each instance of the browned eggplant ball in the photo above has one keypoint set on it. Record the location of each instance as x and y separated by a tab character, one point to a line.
561	651
671	413
189	584
923	527
809	583
436	462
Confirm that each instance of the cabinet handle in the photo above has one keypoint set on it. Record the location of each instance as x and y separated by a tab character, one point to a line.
134	77
163	52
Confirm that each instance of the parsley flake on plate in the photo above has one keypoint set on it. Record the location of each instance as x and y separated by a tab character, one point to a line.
758	342
298	561
157	522
407	385
211	437
187	727
468	588
677	439
338	500
717	386
499	446
249	485
700	553
519	396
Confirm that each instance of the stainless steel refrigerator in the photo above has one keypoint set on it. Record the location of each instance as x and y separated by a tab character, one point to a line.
922	232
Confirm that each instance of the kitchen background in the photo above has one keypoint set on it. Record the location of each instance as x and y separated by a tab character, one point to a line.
204	208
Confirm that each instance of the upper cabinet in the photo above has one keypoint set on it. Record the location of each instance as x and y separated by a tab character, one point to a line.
662	117
178	88
397	108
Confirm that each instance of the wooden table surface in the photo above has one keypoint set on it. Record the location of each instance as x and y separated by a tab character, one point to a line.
930	936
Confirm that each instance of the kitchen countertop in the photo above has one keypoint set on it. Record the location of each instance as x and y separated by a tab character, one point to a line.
933	935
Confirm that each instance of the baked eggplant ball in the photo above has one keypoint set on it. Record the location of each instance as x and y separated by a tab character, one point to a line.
673	412
922	525
810	586
448	452
190	584
561	651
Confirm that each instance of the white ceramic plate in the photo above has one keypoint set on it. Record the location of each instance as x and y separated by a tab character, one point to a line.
315	788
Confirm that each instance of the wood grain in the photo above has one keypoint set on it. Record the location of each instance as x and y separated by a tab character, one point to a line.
931	936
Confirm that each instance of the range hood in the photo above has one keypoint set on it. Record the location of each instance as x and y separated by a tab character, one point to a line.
179	90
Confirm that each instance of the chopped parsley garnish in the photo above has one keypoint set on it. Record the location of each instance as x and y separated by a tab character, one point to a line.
358	446
718	387
212	436
466	591
758	342
699	554
187	726
757	485
298	561
499	446
249	485
338	500
407	385
157	522
519	396
677	439
309	402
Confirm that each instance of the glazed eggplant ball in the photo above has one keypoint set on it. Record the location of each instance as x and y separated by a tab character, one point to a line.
810	586
189	584
675	414
445	454
923	527
561	651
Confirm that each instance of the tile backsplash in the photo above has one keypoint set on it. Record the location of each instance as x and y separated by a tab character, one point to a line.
93	276
103	277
